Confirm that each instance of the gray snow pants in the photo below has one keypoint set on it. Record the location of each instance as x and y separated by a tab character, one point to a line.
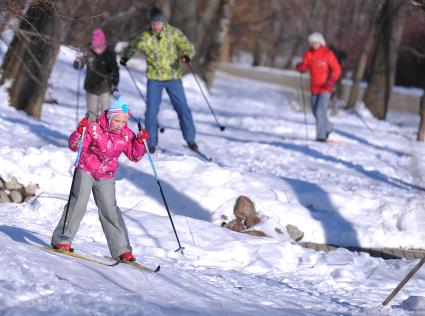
109	213
96	104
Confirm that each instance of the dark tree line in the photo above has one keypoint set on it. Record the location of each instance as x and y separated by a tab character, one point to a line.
389	29
372	33
273	32
45	25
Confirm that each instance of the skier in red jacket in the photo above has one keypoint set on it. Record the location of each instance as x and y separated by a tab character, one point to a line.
324	70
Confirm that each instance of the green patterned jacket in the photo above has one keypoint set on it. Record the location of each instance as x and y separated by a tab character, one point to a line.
163	51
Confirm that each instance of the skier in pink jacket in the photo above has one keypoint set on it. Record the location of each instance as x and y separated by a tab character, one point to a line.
104	141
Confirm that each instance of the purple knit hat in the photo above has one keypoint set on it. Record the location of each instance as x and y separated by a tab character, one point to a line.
98	39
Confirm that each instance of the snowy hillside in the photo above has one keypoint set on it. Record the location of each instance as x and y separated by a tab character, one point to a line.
365	191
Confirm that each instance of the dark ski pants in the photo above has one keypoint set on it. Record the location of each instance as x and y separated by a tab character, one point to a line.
175	91
109	213
319	105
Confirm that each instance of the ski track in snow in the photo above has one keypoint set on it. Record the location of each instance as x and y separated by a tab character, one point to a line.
367	191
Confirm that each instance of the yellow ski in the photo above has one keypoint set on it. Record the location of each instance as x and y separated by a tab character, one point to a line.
139	266
76	255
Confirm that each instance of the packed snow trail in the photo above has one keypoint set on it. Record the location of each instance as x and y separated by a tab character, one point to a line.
190	284
365	192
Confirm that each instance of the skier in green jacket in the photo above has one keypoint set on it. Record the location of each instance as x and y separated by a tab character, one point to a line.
164	47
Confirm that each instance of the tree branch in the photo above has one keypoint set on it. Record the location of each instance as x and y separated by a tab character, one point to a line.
23	63
419	3
414	51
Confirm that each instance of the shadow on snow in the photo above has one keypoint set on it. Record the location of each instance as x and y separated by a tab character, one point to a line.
178	202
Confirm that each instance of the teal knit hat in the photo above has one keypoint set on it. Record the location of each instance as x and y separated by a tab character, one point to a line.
118	106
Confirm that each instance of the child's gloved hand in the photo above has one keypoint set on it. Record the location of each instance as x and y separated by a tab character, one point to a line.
83	124
142	136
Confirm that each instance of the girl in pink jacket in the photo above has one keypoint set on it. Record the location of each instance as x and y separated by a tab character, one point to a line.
104	141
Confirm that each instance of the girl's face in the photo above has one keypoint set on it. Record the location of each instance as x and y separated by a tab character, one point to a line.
316	45
99	50
118	121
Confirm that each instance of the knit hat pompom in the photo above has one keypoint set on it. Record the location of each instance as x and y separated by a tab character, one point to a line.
98	39
118	106
316	37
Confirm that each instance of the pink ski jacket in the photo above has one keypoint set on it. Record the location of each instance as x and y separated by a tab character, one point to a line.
102	147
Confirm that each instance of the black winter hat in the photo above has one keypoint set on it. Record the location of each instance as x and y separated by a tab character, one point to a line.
157	15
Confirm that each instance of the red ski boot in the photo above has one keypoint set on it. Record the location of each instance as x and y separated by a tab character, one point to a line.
127	256
65	247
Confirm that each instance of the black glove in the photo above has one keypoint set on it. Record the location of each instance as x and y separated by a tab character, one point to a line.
79	60
185	59
123	61
115	93
77	64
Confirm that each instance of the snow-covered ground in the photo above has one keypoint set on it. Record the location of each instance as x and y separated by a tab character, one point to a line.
367	190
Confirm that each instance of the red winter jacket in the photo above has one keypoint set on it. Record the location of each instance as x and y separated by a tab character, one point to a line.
323	67
102	147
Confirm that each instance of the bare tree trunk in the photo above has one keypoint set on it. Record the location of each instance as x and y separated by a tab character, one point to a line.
274	53
378	92
421	131
219	35
207	19
5	20
11	62
278	31
184	16
226	50
32	53
293	53
361	65
267	41
10	9
258	53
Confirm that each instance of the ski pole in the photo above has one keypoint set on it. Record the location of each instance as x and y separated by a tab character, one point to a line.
135	84
364	122
139	125
80	148
161	128
404	281
304	107
78	97
222	127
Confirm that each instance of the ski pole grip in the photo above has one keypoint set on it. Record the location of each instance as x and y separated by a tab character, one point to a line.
139	125
80	148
